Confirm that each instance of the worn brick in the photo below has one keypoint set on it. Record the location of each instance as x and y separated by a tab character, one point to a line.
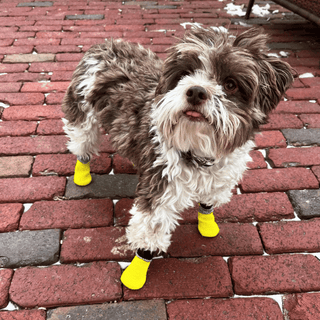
23	315
142	310
268	139
5	279
54	98
85	245
290	236
61	75
223	309
20	58
12	167
37	42
29	248
22	98
304	306
69	56
310	120
265	180
50	127
17	67
32	145
10	214
16	50
32	112
104	186
233	239
303	94
121	211
311	82
181	279
306	202
257	160
63	164
23	77
302	137
31	189
295	157
275	274
53	66
63	285
68	214
15	35
17	128
45	87
280	121
56	34
122	165
316	171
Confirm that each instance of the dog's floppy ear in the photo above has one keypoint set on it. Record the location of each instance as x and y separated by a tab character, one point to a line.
275	75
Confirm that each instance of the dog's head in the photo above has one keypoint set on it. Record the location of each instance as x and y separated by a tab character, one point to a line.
215	90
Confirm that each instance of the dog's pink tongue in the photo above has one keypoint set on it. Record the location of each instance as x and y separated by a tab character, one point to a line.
194	114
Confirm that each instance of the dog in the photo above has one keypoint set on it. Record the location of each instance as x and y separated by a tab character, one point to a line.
187	124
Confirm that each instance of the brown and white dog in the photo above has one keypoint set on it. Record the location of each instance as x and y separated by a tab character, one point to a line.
186	123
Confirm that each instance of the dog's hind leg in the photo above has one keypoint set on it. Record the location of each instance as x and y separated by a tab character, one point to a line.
83	142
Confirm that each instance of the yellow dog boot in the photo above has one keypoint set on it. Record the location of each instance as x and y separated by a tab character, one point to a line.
82	176
207	225
135	275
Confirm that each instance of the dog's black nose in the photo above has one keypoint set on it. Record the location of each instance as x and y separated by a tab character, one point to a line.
196	95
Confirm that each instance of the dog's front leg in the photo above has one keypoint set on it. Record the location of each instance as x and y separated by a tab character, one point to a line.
206	221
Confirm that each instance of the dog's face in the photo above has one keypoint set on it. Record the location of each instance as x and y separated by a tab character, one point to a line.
216	89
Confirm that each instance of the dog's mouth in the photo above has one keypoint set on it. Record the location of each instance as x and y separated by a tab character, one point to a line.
194	115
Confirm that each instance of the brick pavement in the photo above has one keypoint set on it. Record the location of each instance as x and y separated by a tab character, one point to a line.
62	248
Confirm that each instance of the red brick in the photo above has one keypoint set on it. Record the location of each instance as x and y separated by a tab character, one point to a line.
295	157
303	94
55	34
83	41
5	278
23	77
22	98
266	180
17	128
33	145
85	245
282	121
69	57
311	82
66	285
290	236
40	28
274	274
35	112
106	145
257	160
304	306
122	165
23	315
45	87
316	171
18	67
35	42
16	35
134	22
63	164
185	278
68	214
10	214
223	309
31	189
109	33
55	98
310	120
268	139
61	76
121	211
85	28
16	50
233	239
13	167
53	66
297	107
50	127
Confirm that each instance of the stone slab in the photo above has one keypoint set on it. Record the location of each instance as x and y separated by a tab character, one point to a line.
29	248
306	202
104	186
85	17
302	137
36	4
142	310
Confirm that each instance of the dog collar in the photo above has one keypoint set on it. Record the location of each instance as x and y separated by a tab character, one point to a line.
196	160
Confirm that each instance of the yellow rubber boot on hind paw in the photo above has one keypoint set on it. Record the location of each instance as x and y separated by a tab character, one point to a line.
82	176
135	275
207	225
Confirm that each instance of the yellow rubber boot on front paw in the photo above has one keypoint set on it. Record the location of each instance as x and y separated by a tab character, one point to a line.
135	275
207	225
82	176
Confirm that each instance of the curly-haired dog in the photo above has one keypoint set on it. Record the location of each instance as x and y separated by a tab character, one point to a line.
186	123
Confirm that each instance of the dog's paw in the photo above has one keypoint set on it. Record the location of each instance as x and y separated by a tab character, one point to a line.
207	225
82	176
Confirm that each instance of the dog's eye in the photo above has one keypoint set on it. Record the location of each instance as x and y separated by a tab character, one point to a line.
230	85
